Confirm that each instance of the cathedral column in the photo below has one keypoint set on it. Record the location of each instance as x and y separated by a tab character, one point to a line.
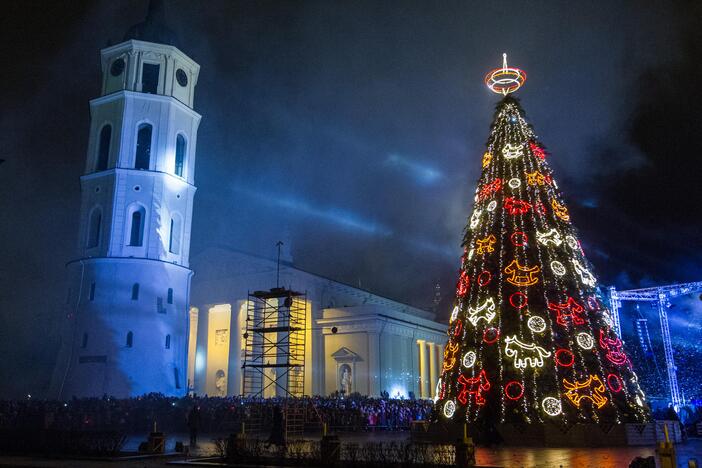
423	388
415	383
432	369
373	364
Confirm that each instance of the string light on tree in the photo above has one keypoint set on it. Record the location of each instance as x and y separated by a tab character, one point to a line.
558	268
591	389
551	406
585	276
468	360
449	408
525	354
485	311
454	314
585	340
512	151
536	324
475	219
551	237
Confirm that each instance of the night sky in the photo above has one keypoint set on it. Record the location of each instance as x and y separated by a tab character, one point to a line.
355	130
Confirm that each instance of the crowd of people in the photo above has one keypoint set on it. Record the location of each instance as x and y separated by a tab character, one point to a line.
653	375
215	414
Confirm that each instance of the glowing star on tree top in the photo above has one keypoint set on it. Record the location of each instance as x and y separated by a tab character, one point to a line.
506	79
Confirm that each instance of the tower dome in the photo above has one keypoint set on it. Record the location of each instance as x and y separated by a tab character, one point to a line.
154	27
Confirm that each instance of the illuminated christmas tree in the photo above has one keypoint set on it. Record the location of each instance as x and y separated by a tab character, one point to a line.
530	338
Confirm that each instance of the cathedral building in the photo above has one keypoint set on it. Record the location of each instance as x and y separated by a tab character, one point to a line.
355	341
134	325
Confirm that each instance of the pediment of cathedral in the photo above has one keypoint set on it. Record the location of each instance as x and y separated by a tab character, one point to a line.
344	354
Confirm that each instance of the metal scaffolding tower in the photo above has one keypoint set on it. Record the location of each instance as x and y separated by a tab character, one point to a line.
661	295
274	357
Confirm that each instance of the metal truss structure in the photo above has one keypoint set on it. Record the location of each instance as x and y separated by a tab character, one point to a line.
274	357
661	296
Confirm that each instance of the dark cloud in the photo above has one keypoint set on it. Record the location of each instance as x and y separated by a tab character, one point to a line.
357	128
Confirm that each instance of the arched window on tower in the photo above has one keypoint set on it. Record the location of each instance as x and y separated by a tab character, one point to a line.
135	291
94	228
168	341
104	148
136	228
174	239
130	339
142	158
180	155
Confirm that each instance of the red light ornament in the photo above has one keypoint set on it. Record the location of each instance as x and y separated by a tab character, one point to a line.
473	386
568	310
489	188
463	284
515	206
614	382
514	390
518	300
457	327
484	278
564	358
519	239
537	150
613	348
491	335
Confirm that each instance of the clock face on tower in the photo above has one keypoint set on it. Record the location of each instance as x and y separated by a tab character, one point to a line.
181	77
117	67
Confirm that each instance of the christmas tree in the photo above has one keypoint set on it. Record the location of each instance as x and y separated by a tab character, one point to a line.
530	338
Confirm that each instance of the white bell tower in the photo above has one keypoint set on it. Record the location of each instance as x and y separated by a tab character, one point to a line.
130	283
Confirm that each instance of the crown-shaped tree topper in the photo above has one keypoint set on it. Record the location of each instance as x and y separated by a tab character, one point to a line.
505	80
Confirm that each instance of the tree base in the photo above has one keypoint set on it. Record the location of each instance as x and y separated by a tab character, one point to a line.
585	435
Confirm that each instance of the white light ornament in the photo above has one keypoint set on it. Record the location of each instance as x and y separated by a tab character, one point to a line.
475	218
510	151
525	354
485	311
585	276
437	390
449	408
491	206
468	360
552	406
585	340
607	319
639	401
470	253
536	324
558	268
572	243
454	314
551	237
514	183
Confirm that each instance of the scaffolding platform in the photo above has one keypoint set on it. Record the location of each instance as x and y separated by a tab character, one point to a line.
274	360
